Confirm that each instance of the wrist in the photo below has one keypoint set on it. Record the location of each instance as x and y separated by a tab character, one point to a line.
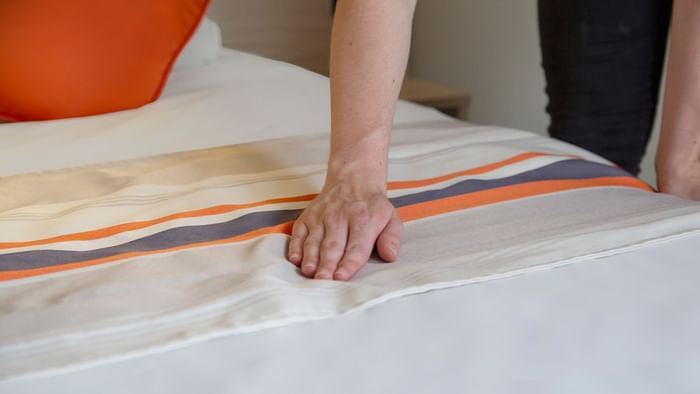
358	172
359	158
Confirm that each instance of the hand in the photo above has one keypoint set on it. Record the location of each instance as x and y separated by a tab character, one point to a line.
334	236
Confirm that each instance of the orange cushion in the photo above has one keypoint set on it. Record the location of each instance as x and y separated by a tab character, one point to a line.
67	58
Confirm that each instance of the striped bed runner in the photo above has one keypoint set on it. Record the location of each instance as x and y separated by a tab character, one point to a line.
108	261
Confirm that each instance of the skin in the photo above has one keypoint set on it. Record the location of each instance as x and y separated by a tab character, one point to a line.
678	155
335	235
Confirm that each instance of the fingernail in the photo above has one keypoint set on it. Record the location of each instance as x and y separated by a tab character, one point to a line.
308	269
394	252
341	274
323	274
294	258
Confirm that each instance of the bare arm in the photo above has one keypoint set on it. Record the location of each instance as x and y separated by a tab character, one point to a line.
678	156
335	235
369	51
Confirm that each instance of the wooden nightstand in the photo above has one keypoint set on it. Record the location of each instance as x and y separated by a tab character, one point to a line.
446	99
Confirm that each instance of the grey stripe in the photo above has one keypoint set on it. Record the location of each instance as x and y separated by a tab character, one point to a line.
165	239
568	169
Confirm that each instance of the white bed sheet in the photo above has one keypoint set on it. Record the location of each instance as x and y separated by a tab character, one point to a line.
623	323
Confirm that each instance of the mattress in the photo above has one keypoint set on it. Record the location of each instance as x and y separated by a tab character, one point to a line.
590	326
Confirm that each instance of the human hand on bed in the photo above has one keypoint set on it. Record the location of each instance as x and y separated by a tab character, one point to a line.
335	235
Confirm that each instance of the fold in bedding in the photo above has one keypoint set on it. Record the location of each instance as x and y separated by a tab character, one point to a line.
106	262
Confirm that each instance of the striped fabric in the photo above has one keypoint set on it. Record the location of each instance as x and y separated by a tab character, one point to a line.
101	262
259	218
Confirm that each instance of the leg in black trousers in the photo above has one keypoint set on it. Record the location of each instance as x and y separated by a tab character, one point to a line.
602	61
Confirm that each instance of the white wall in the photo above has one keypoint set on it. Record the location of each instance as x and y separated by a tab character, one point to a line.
490	48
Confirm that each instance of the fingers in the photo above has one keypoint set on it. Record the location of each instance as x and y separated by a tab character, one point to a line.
312	246
332	247
296	243
359	247
334	238
389	240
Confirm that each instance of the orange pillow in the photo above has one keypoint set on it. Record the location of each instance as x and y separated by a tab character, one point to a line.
67	58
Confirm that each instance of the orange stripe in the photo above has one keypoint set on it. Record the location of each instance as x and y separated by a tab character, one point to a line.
510	192
471	171
219	209
407	214
284	228
120	228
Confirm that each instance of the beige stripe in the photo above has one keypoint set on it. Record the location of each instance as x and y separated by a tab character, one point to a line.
183	168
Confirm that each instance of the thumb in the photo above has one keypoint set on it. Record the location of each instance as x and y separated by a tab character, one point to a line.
389	240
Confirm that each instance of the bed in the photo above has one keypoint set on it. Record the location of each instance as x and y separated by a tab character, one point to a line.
587	287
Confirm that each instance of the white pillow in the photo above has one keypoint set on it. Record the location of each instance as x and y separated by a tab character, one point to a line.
203	48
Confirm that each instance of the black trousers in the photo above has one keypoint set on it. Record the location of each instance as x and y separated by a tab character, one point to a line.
602	61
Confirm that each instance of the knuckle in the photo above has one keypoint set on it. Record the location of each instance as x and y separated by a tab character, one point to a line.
311	242
313	226
352	262
326	260
310	259
360	226
361	216
313	238
329	260
310	247
298	229
331	245
332	255
356	250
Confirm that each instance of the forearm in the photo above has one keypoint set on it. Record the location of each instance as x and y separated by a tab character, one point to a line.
369	50
679	145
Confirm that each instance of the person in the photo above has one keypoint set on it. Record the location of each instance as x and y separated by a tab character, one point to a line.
601	62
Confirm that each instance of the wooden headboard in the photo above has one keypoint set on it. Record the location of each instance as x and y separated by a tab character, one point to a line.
296	31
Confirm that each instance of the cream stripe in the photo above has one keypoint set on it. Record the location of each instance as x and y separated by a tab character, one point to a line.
84	219
183	168
152	194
